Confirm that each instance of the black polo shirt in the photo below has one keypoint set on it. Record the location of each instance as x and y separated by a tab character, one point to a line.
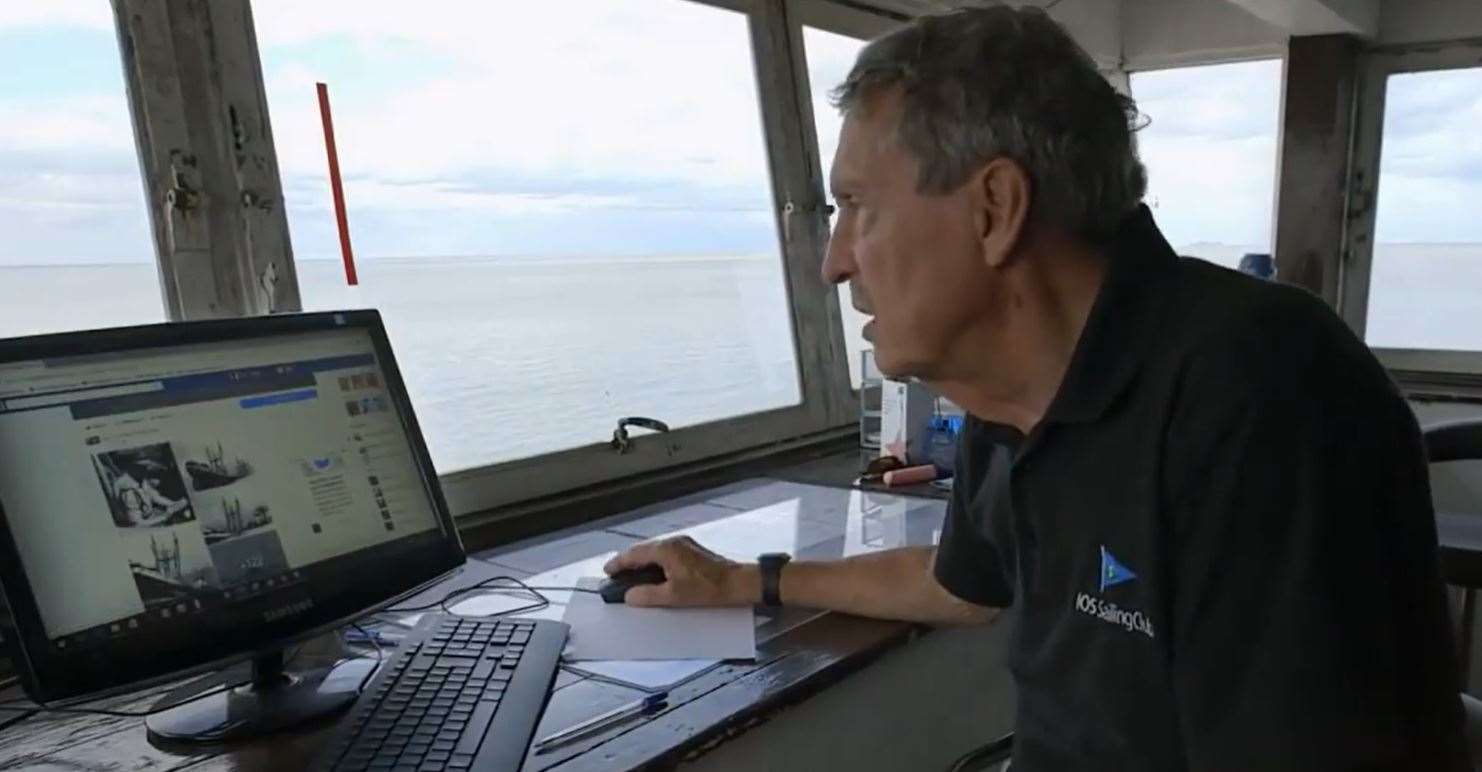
1218	546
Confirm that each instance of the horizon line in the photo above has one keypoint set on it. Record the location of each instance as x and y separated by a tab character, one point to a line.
678	255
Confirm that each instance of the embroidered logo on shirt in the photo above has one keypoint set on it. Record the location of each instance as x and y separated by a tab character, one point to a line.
1113	572
1114	614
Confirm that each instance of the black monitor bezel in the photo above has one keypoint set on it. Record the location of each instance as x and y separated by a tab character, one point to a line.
47	678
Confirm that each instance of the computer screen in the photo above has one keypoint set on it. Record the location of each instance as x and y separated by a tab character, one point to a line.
160	497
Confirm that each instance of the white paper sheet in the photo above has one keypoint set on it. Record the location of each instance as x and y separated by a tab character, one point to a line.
648	675
602	630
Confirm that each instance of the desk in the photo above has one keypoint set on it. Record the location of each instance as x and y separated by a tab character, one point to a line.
801	653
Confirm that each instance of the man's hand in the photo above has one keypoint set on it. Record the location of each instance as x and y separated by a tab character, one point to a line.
694	576
894	584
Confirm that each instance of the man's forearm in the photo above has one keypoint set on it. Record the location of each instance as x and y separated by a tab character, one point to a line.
894	584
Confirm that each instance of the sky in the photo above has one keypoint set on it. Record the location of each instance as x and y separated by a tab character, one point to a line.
512	132
1208	140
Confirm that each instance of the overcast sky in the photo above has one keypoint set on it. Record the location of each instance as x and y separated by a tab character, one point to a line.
595	127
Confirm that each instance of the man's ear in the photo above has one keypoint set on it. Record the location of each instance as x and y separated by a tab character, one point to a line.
1002	189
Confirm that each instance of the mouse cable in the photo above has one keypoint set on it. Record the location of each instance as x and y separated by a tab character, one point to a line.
510	585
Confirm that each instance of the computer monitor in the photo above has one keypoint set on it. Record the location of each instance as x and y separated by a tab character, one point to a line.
177	497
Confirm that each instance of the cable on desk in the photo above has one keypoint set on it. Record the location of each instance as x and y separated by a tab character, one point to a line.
519	585
41	707
13	720
380	656
28	709
220	730
516	586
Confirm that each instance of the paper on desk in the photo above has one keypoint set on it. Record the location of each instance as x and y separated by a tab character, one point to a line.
654	675
601	630
650	675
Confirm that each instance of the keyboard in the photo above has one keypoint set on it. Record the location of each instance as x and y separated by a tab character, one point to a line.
455	694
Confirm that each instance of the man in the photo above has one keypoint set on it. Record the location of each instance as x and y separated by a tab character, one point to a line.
1203	501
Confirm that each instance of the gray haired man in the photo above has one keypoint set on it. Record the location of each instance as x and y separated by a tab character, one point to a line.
1197	496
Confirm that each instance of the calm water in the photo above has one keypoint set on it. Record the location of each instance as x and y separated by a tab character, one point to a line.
511	357
508	358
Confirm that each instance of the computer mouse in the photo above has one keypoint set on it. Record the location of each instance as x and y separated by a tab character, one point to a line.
615	587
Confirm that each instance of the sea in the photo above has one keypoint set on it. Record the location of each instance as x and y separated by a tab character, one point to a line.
511	357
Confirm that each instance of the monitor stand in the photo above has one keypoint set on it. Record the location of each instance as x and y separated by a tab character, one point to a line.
275	698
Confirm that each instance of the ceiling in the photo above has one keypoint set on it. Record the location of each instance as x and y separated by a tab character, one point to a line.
1150	34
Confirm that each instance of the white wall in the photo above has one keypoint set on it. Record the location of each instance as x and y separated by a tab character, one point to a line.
1165	33
1150	34
1172	33
1318	17
1411	21
1097	26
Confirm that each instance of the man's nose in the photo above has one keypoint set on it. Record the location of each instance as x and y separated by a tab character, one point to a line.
838	259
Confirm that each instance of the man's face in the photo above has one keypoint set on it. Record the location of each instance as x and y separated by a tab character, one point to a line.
913	261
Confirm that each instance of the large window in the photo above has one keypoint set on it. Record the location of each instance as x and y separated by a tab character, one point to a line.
76	251
562	209
1210	148
1425	288
830	56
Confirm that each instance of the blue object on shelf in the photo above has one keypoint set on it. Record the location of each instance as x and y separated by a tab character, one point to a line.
1259	265
941	442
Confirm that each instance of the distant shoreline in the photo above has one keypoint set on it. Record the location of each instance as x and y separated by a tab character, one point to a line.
1197	249
565	259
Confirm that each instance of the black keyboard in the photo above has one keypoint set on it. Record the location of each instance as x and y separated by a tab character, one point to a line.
455	694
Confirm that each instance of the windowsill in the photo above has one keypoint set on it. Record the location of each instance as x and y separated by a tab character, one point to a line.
585	509
1439	386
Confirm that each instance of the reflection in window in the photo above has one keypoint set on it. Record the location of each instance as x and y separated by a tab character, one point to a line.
562	209
1427	277
830	57
1210	151
77	251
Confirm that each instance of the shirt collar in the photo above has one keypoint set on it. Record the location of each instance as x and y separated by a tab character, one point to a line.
1123	322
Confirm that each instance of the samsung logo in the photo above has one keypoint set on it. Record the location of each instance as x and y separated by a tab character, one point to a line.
283	612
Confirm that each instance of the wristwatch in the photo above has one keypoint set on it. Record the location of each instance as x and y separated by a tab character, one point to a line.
771	569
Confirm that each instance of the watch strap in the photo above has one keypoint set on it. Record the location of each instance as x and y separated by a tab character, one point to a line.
771	570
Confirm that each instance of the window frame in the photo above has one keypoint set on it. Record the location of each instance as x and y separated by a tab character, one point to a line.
1412	367
207	159
194	74
852	22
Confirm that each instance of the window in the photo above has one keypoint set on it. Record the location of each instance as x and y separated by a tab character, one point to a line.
830	57
1210	150
562	210
1426	278
77	251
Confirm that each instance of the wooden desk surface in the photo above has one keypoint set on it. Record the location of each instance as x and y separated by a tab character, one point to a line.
799	652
